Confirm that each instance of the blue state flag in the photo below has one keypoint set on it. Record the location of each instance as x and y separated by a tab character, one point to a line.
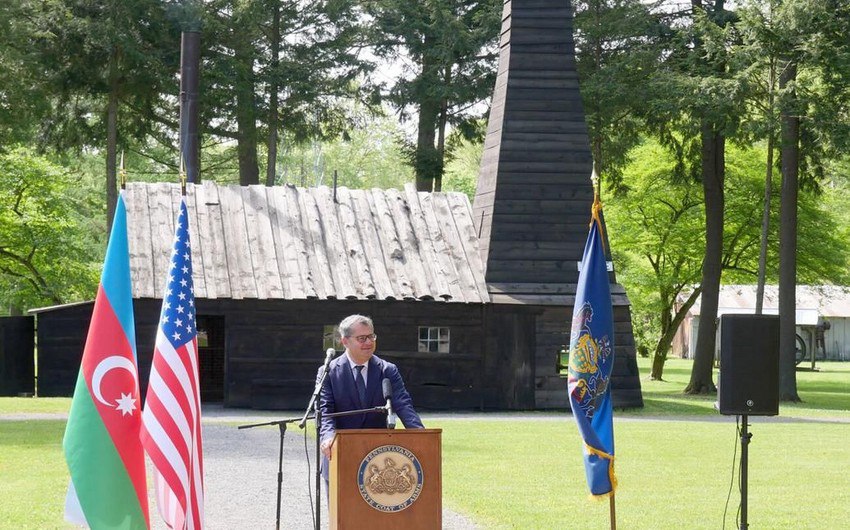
591	361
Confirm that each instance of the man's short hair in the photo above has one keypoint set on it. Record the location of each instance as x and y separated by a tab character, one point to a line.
350	321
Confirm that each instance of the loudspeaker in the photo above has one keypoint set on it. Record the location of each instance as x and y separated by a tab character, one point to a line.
749	365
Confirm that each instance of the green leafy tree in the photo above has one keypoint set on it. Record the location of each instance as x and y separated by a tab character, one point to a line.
716	123
463	166
619	45
23	96
367	157
277	70
106	66
48	254
655	227
797	59
447	49
693	107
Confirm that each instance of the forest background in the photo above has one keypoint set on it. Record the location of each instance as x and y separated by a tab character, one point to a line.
720	130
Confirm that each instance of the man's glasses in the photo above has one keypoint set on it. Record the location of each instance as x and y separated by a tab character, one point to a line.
362	339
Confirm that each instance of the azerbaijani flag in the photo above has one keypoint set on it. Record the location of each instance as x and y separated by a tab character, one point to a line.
102	447
591	362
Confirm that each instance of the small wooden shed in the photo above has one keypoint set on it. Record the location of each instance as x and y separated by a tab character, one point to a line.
275	268
816	305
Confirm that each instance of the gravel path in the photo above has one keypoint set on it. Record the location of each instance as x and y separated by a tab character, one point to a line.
241	480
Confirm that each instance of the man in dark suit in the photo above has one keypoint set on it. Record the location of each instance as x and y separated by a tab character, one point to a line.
354	382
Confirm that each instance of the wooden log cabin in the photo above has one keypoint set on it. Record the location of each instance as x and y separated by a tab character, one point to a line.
472	302
275	268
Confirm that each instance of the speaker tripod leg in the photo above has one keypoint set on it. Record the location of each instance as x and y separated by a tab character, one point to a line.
745	442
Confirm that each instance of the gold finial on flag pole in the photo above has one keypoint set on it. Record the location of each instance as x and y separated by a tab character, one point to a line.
122	173
596	208
594	179
182	176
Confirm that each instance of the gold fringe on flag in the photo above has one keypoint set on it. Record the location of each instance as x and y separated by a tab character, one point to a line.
611	475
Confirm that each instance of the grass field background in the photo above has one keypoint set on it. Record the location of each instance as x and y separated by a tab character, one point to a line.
674	463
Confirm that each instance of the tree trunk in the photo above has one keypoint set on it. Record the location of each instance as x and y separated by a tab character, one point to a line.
667	335
426	153
112	141
790	157
658	360
246	122
426	163
271	164
768	187
713	174
765	226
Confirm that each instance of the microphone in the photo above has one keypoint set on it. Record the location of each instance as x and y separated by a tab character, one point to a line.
387	387
329	354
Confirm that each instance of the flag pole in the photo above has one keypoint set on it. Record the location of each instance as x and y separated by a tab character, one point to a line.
596	214
612	511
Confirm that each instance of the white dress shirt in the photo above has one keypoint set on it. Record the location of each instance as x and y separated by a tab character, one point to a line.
354	372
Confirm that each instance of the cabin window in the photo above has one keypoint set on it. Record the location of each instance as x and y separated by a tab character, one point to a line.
434	339
330	338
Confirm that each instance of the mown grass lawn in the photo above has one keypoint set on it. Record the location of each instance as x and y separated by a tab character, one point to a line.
672	474
33	475
674	463
825	393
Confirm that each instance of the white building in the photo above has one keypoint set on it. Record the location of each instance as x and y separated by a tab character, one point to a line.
816	304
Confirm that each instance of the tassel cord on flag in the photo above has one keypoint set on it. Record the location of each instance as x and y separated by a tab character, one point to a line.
611	476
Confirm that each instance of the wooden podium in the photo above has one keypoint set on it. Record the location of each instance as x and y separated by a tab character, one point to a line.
381	478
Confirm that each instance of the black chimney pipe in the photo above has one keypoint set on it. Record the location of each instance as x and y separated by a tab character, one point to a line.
190	76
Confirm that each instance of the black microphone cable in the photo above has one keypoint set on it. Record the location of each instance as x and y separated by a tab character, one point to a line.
310	488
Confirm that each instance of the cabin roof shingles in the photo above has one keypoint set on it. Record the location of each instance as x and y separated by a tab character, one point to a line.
286	242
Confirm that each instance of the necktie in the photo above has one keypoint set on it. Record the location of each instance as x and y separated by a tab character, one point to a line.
360	383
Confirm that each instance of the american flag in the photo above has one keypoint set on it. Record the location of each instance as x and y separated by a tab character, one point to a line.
171	421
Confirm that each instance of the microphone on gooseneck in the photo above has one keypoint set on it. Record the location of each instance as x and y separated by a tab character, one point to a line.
387	387
329	355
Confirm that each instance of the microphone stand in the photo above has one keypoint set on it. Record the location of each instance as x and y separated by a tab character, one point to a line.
301	423
319	417
314	404
282	426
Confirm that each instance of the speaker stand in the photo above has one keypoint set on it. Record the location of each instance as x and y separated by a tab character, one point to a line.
745	442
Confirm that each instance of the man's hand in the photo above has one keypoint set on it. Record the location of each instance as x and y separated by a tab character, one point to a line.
326	447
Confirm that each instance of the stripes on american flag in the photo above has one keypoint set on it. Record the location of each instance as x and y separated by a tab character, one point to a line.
171	420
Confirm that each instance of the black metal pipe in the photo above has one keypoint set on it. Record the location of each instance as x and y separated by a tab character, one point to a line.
190	77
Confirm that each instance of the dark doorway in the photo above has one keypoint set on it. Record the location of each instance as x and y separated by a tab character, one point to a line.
211	357
17	367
